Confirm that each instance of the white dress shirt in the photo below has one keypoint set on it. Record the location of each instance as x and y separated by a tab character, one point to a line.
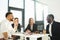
32	27
50	29
6	27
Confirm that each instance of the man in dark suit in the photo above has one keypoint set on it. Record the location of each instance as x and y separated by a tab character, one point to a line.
53	28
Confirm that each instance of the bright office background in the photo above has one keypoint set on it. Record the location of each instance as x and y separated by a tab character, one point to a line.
25	9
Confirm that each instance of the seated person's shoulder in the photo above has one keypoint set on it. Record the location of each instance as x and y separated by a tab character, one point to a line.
57	22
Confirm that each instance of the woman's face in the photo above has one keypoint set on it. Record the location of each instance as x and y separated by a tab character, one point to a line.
31	21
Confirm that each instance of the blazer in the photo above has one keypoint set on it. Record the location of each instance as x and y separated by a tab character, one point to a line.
19	27
34	28
55	30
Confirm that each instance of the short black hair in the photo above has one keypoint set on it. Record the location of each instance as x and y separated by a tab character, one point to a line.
8	13
51	15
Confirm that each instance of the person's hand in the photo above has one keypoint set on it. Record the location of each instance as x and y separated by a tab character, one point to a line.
44	31
16	24
15	27
5	35
36	32
28	31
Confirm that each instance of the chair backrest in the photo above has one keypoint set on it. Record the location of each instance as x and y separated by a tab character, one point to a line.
40	25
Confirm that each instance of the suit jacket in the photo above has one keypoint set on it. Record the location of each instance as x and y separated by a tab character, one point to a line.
55	30
19	27
34	28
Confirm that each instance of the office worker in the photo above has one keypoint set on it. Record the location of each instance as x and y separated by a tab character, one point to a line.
53	28
18	27
6	28
16	24
32	27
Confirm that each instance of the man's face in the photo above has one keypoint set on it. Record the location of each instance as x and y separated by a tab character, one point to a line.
49	19
11	17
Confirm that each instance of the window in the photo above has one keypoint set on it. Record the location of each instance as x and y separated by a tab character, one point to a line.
17	7
39	12
29	11
16	3
45	15
17	14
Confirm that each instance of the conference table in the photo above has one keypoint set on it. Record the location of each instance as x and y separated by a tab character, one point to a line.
32	36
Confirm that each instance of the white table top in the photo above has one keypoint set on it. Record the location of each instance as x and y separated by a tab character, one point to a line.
33	35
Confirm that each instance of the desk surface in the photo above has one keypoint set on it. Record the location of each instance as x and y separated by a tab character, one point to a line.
33	35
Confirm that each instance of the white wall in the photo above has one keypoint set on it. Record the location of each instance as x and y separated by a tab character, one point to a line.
3	9
54	7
